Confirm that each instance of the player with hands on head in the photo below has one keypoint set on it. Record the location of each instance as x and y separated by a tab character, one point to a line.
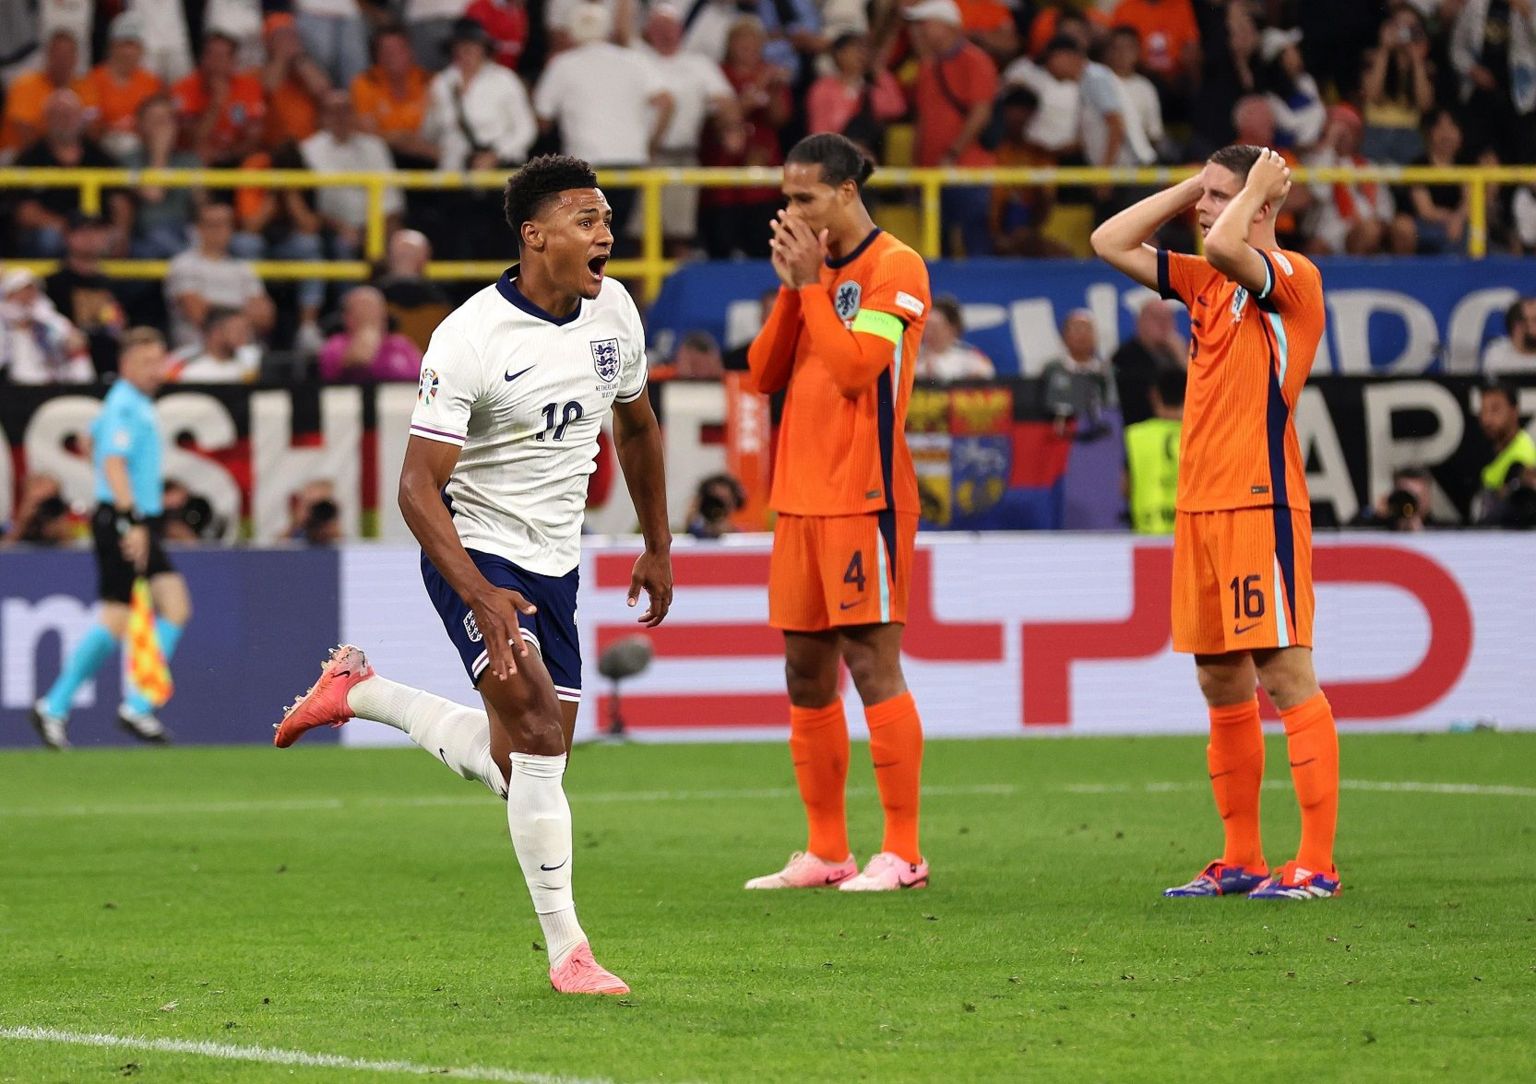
514	388
841	341
1242	547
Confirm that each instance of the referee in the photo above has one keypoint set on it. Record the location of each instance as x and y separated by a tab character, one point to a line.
126	453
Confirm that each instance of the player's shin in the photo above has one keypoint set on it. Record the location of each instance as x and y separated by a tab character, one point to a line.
84	661
1312	740
896	747
459	736
539	820
1235	758
818	746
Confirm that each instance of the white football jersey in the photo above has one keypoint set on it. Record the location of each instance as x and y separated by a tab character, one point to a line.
524	394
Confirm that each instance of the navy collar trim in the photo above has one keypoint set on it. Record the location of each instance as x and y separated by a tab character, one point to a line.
507	287
844	261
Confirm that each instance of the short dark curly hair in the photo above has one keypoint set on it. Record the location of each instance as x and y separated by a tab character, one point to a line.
530	189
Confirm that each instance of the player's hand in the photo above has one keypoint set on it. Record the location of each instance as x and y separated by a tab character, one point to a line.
135	546
1271	177
802	250
496	613
653	575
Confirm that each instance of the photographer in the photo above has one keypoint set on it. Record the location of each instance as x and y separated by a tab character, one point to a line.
42	516
1406	507
717	499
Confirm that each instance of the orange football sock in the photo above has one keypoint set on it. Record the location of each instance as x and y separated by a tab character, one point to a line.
896	747
1235	758
1312	740
818	744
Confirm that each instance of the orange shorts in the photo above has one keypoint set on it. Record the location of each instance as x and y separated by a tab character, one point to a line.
1242	580
828	571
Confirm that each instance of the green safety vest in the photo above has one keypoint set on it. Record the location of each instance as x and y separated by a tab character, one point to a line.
1152	459
1520	450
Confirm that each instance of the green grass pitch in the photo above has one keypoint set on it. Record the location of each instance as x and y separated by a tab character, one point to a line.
366	906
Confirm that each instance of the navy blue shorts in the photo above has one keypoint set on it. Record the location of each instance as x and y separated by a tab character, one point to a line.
551	631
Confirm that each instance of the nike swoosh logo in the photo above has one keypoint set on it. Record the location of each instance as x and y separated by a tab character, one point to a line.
551	869
1218	775
850	605
888	764
837	878
1302	763
1238	630
509	377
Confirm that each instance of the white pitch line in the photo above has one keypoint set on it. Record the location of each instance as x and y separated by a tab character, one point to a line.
642	796
276	1056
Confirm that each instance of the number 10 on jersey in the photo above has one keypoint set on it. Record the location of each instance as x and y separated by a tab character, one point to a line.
554	430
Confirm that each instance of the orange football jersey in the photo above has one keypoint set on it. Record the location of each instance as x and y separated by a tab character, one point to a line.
1250	355
838	456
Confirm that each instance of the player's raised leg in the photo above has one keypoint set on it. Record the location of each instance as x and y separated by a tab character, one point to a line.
1312	742
818	745
873	655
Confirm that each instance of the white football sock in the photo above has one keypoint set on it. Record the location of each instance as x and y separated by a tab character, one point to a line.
458	736
539	819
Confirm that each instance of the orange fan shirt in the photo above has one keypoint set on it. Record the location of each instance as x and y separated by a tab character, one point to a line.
840	456
24	101
1250	355
246	102
118	102
376	104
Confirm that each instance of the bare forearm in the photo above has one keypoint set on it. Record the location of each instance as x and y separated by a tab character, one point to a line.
1134	226
640	458
1229	233
428	518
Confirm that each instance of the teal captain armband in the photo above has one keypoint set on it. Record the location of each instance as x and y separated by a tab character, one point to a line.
880	324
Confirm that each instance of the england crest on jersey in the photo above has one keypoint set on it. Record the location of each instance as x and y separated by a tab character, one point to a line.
847	301
605	359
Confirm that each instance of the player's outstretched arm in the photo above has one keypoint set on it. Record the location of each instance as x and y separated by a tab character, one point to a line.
1121	241
637	438
771	357
1226	245
428	464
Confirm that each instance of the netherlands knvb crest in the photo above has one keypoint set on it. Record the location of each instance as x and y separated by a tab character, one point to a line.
847	300
472	628
605	358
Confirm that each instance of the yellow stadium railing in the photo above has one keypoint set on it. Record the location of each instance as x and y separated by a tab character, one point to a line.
652	266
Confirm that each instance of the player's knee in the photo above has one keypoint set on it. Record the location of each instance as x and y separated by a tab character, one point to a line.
1221	686
810	688
876	679
542	735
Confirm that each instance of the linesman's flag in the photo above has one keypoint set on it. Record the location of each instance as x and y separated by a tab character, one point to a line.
146	661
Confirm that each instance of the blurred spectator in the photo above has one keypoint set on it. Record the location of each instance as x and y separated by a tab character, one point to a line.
416	303
1143	111
43	213
335	36
791	30
340	148
187	516
314	516
432	25
1069	18
1354	217
991	24
952	105
391	100
855	98
1292	92
239	20
162	217
1152	455
1253	119
1018	215
206	276
1493	48
697	357
283	224
37	344
28	95
714	503
1406	507
944	356
1515	351
1229	53
84	295
222	109
1335	35
1169	38
120	85
1514	451
1398	89
1057	81
366	351
479	113
1157	347
167	38
42	516
227	354
506	24
610	105
293	82
734	221
1435	217
699	91
1077	387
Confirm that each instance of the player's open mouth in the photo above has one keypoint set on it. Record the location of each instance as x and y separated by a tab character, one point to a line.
596	265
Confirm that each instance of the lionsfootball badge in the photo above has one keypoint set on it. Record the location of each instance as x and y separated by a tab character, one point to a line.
426	387
847	302
605	359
